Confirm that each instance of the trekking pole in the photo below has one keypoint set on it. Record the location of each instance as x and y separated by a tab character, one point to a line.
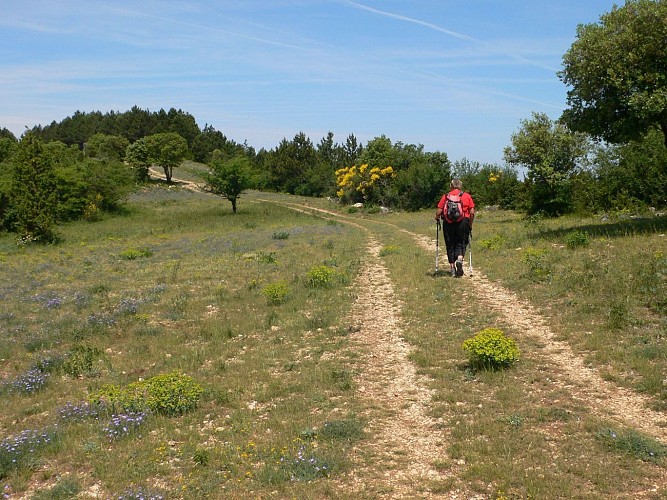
470	253
437	243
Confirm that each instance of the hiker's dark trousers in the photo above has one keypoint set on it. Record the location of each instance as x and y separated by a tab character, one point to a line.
457	236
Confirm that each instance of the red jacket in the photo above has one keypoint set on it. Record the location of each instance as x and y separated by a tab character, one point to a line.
466	202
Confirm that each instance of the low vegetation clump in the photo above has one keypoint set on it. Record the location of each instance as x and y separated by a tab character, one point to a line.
168	394
280	235
348	429
14	451
276	293
140	493
632	443
320	276
123	424
136	253
535	259
388	250
495	242
28	382
491	349
576	239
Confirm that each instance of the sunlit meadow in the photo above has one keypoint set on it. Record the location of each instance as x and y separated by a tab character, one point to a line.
179	351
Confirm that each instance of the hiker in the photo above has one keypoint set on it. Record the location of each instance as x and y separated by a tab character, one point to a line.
457	211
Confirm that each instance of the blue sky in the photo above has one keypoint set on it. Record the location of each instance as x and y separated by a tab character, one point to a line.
457	76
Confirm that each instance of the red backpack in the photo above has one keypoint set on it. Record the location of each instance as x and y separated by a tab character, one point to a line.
453	211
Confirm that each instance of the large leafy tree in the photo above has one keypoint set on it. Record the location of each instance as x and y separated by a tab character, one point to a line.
229	178
167	150
550	153
617	73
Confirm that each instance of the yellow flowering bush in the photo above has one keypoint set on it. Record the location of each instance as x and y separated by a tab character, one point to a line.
363	181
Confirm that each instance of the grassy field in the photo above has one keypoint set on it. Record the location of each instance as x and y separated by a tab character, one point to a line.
234	332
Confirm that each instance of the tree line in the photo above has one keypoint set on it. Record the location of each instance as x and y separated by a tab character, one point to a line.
607	152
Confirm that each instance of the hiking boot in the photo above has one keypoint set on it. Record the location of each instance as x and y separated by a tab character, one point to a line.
459	268
453	272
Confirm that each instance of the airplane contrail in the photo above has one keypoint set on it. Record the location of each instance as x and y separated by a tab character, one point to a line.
454	34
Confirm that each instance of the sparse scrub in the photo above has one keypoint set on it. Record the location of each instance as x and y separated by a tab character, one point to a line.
279	378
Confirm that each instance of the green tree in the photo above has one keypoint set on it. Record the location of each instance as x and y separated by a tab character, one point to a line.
421	184
290	165
630	176
32	193
106	147
490	184
378	153
617	73
167	150
210	140
6	133
351	151
7	148
551	153
138	157
229	178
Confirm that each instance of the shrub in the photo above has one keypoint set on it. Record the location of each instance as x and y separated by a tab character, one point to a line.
348	429
81	360
494	243
388	250
276	293
576	239
280	235
491	349
166	394
535	260
135	253
320	276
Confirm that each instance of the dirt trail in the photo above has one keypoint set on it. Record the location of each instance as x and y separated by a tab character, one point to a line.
567	369
406	442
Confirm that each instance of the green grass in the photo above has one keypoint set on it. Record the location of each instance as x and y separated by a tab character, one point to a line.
279	413
194	305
